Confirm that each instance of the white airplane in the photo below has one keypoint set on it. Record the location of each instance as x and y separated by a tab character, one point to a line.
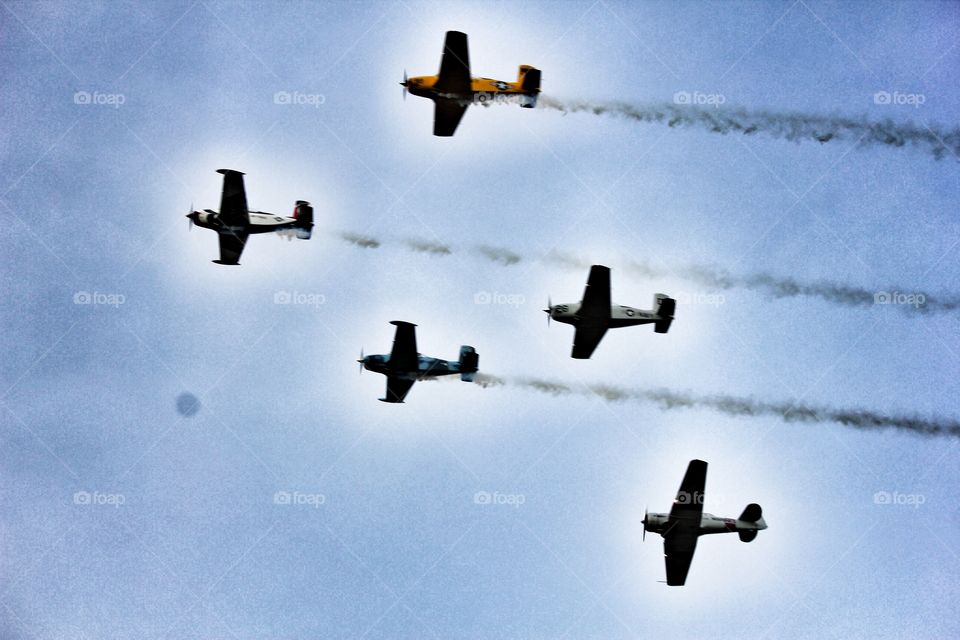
595	313
234	223
686	522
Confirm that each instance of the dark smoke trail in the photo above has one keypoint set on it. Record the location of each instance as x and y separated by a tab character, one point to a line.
360	241
715	278
496	254
788	126
426	246
735	406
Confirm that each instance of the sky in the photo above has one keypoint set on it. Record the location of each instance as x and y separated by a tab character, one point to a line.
292	504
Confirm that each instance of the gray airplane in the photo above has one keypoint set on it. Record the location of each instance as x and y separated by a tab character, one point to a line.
234	223
686	522
404	365
595	313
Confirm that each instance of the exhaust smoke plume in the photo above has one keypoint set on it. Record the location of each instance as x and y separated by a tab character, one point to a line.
795	127
668	400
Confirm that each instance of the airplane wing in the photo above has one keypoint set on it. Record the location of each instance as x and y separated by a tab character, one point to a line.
680	538
596	297
231	246
454	74
678	554
233	200
586	339
594	313
446	116
404	356
689	502
397	389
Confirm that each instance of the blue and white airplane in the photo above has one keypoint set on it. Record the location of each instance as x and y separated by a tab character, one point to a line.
404	365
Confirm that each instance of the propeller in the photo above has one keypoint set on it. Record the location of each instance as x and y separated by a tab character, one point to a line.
644	536
548	310
361	360
404	85
190	218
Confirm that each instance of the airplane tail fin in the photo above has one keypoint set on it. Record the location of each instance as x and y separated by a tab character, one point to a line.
529	79
752	521
664	306
303	212
469	360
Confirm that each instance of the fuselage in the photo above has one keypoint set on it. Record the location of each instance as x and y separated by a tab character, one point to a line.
709	523
483	91
620	315
260	222
427	367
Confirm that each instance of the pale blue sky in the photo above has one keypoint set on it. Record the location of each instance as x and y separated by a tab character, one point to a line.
92	199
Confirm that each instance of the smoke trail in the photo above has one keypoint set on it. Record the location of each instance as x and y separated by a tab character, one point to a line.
496	254
426	246
668	400
906	299
795	127
360	241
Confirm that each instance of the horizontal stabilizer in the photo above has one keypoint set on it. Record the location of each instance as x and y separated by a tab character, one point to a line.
747	536
531	81
303	213
664	306
752	513
469	361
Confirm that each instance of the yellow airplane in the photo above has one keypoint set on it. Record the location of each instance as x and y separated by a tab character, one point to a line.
453	90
